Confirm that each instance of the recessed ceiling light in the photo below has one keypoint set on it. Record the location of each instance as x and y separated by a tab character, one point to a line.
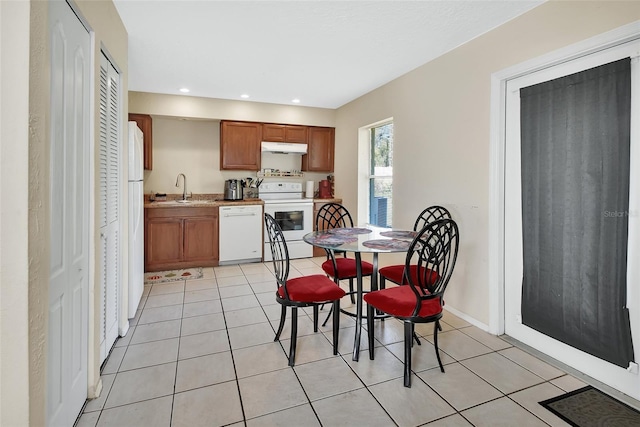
244	96
184	90
295	101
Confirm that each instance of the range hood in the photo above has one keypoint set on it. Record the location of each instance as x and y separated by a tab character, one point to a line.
284	147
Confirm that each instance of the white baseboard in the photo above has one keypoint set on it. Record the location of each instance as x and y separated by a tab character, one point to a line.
467	318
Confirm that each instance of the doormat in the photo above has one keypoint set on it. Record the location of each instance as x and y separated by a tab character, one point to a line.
589	407
172	275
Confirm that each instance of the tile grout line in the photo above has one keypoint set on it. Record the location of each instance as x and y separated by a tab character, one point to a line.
233	360
284	351
341	355
175	376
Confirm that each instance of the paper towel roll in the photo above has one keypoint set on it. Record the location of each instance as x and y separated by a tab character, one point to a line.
309	192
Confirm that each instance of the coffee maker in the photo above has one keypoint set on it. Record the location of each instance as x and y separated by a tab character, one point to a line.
232	189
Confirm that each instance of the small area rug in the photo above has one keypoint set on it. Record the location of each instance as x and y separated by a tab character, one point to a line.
589	407
172	275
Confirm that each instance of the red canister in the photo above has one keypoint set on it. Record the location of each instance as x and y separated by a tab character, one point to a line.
324	190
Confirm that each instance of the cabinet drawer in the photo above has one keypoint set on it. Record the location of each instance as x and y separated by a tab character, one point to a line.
171	212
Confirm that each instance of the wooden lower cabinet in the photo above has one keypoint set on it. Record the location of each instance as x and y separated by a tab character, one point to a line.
180	237
163	244
200	245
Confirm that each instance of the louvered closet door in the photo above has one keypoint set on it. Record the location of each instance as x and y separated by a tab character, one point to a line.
109	267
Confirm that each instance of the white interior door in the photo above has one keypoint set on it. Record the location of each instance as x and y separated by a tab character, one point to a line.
109	205
69	192
625	380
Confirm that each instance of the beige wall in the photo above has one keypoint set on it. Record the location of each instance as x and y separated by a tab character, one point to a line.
38	241
14	174
184	146
221	109
102	18
441	129
186	137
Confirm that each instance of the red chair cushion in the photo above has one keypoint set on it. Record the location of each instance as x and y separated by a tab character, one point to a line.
394	273
400	301
346	268
315	288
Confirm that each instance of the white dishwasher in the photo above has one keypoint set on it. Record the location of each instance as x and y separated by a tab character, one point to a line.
240	234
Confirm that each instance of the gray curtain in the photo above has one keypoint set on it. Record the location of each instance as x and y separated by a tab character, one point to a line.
575	135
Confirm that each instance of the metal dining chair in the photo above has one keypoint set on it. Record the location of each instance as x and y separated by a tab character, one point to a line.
434	251
306	291
395	273
335	215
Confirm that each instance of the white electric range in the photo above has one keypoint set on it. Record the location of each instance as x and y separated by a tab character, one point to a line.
284	201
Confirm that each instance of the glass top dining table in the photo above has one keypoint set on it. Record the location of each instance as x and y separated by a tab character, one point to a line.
363	239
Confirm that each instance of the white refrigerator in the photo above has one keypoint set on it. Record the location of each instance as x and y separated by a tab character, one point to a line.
136	218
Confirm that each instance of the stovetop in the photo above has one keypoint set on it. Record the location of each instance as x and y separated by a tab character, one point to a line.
282	192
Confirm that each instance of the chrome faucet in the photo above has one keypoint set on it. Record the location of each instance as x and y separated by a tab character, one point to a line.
184	183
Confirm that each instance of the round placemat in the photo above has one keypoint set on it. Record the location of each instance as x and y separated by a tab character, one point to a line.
349	231
399	234
387	244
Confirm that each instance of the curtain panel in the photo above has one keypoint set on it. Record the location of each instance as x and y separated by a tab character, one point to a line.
575	138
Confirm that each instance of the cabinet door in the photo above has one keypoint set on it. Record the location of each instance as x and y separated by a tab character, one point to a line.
295	134
164	243
240	145
284	133
272	132
145	125
319	157
201	239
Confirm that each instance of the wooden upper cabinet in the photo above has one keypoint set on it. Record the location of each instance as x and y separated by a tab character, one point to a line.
284	133
319	157
145	125
240	145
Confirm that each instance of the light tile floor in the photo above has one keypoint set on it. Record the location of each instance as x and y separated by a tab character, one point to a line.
201	352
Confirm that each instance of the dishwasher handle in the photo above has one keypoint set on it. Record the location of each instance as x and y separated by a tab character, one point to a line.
240	214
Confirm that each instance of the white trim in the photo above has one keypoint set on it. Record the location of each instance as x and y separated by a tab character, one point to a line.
496	205
497	150
364	168
468	318
363	175
633	249
94	386
123	209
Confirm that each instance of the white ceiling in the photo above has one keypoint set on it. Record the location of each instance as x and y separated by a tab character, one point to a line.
325	53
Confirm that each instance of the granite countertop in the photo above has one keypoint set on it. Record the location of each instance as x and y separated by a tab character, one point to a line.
330	200
211	200
197	200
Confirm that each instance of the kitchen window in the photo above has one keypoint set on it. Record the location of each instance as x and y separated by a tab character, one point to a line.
381	174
